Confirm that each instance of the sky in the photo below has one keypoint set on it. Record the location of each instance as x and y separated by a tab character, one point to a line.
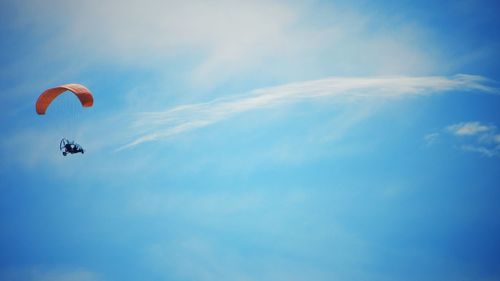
251	140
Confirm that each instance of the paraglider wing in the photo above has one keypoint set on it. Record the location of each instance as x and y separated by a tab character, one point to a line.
81	92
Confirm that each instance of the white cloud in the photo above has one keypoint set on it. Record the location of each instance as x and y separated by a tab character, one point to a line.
469	128
497	138
221	39
164	124
222	32
476	137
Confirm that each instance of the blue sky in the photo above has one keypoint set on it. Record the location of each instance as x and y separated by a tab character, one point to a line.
251	140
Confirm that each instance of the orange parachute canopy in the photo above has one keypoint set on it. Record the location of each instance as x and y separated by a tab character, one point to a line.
46	98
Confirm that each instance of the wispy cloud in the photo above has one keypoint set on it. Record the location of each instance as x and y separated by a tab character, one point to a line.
45	274
472	136
281	38
163	124
469	128
431	138
483	150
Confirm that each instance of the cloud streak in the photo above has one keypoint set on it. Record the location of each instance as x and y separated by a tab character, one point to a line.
471	136
479	138
164	124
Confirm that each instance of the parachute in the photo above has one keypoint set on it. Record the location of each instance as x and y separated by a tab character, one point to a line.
66	109
46	98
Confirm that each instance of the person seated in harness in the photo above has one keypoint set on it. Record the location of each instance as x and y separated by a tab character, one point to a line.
70	147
